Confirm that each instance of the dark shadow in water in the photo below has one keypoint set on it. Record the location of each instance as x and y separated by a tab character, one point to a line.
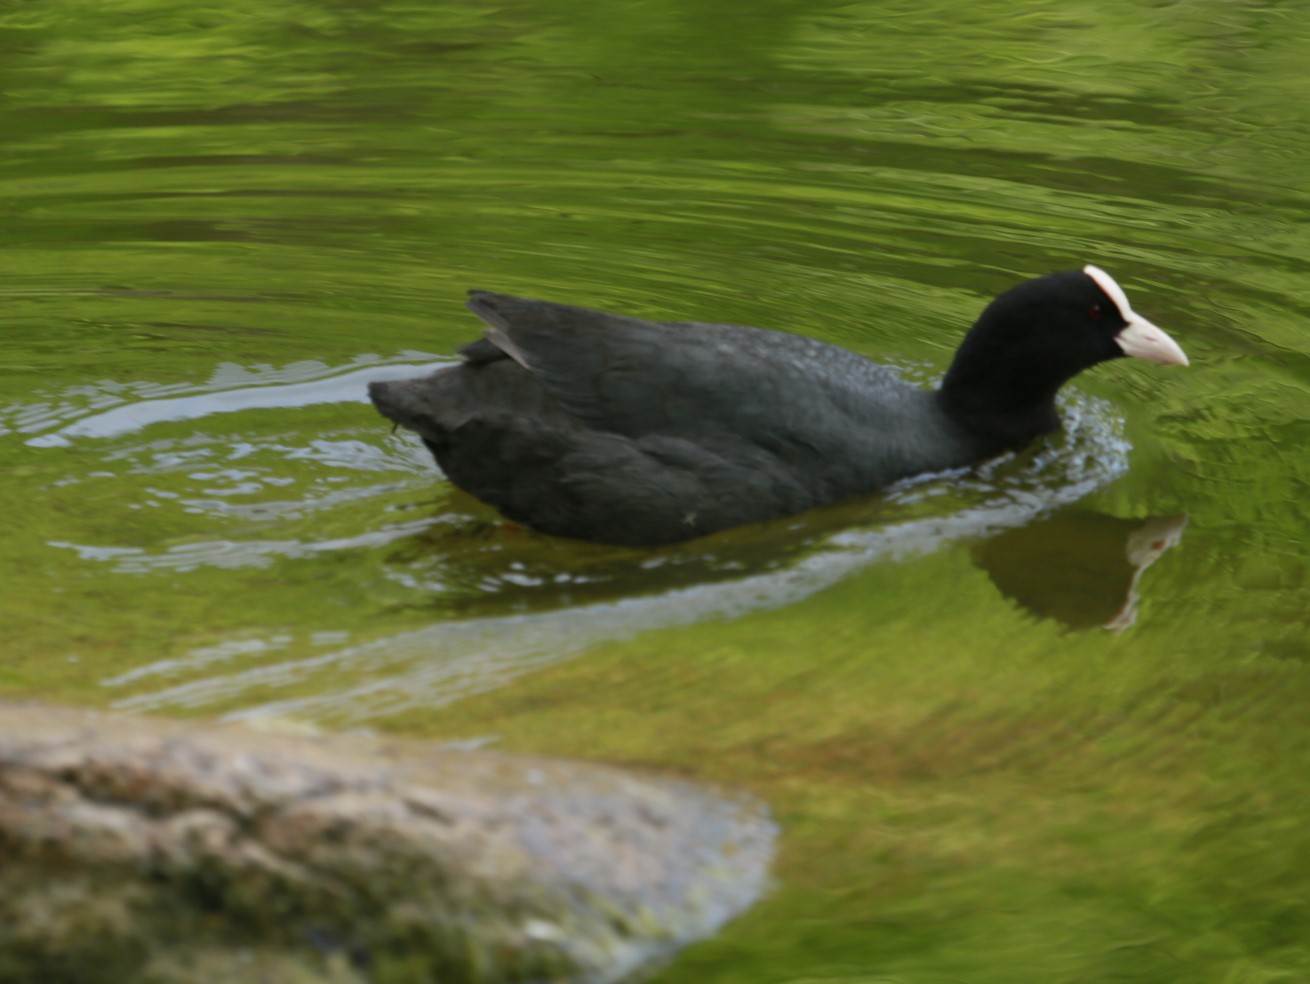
478	564
1083	569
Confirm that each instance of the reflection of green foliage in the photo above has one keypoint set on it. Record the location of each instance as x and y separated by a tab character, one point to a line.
967	793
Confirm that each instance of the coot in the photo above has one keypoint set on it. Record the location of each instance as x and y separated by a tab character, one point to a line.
619	430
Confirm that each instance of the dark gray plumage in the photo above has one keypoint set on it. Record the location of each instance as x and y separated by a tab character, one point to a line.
620	430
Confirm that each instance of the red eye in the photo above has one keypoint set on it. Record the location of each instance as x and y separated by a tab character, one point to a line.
1094	311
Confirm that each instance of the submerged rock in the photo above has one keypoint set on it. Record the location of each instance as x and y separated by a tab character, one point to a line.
169	852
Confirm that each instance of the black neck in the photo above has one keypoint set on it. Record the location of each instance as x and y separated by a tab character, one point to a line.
1006	398
1002	428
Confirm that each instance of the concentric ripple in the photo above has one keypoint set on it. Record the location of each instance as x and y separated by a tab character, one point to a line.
259	487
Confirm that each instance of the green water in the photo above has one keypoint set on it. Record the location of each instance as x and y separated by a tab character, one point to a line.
217	222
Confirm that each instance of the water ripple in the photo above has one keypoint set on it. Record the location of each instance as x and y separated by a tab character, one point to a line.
292	386
436	665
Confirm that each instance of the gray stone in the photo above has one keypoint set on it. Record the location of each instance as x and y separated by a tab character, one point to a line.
169	852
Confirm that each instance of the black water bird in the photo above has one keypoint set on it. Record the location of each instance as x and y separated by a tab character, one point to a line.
620	430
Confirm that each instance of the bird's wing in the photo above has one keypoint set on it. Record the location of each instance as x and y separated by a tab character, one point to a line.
637	377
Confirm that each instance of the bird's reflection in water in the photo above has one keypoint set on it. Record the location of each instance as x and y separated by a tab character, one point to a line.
1083	569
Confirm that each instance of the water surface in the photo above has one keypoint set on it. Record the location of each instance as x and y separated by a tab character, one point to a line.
1042	721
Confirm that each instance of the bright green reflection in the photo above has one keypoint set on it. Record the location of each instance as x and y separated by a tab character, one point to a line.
215	222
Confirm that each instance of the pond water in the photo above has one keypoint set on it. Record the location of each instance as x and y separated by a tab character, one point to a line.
1042	721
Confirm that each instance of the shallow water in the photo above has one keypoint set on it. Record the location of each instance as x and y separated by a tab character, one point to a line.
1043	721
